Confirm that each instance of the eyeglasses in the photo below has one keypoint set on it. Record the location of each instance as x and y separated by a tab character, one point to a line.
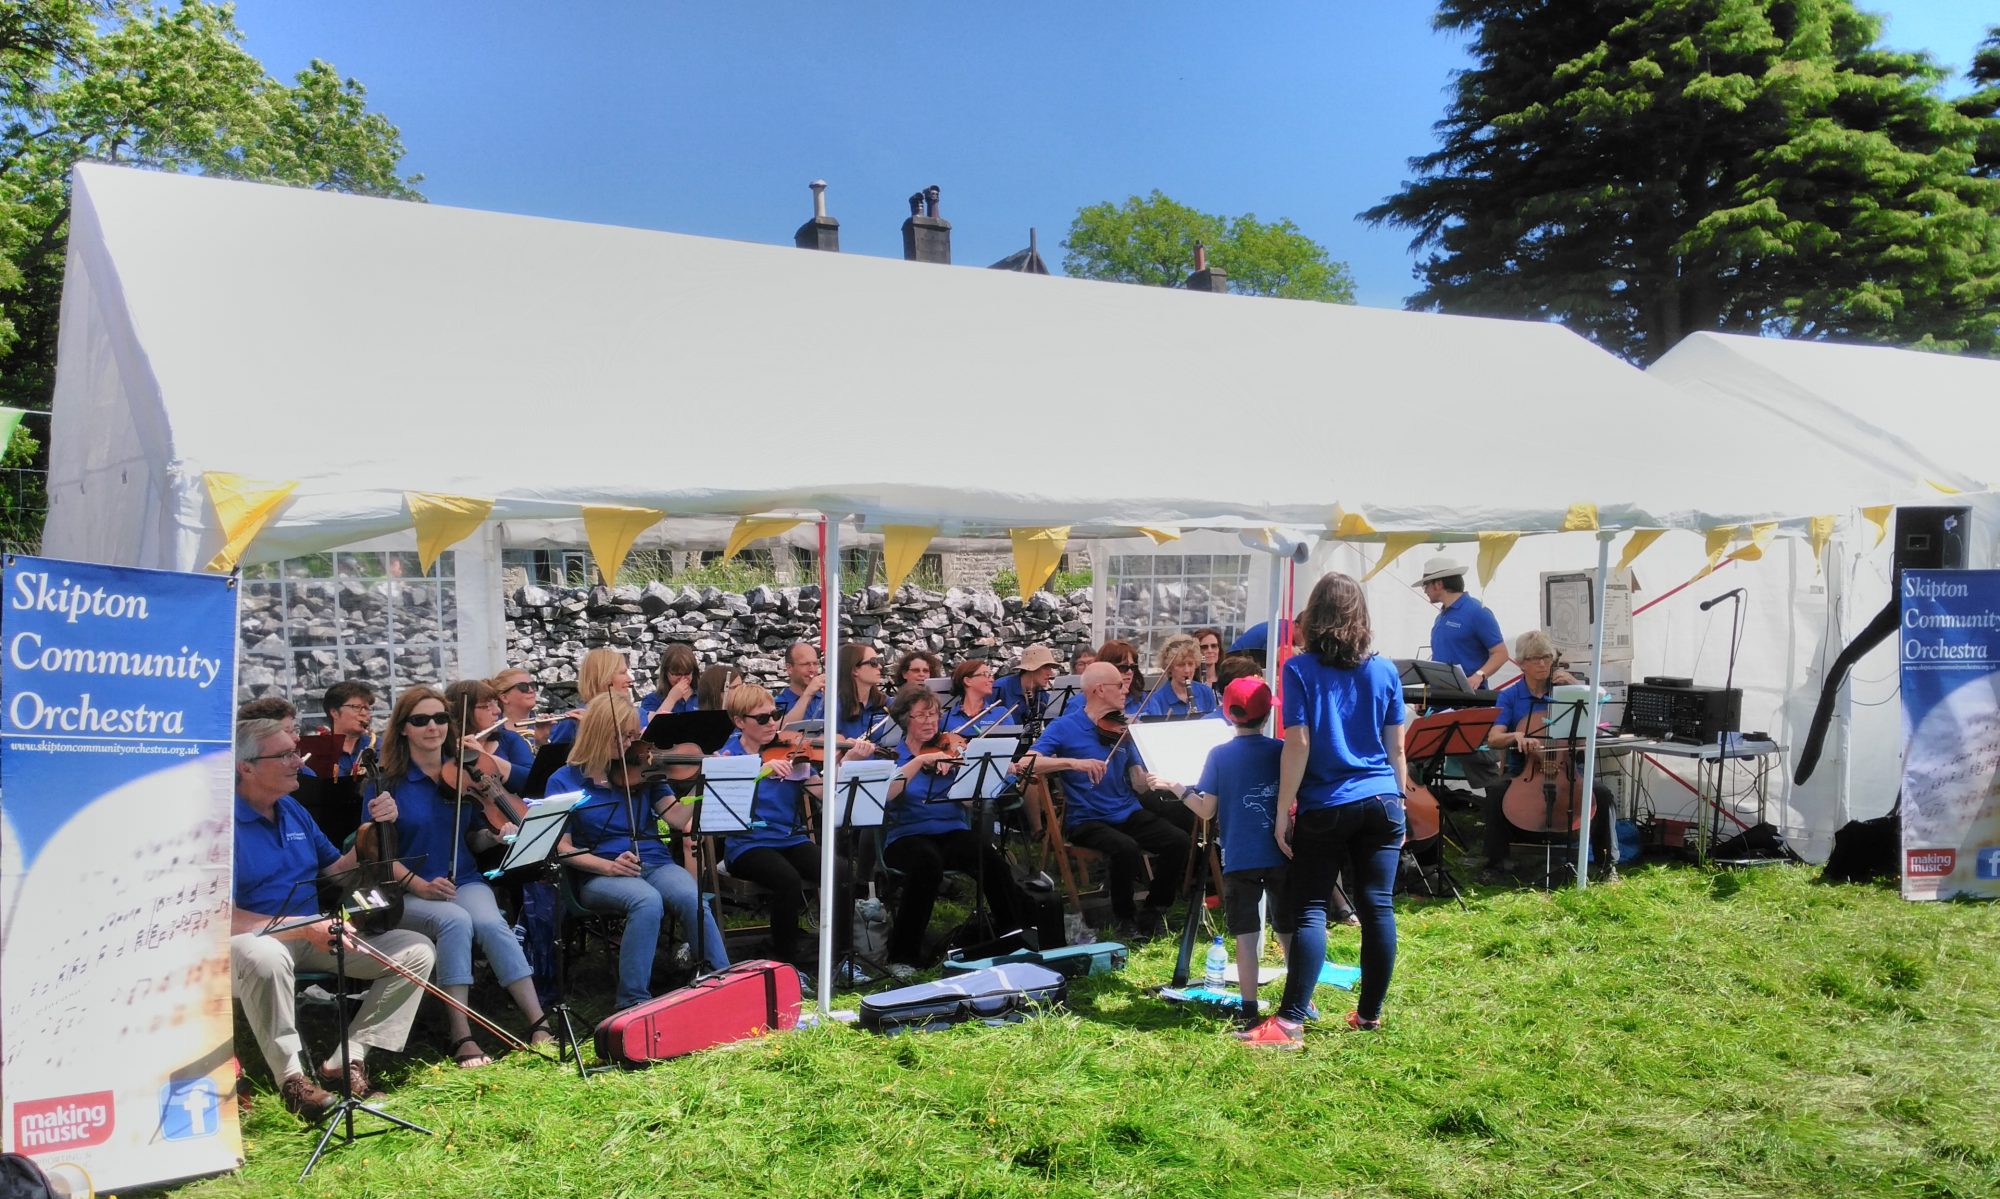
290	755
420	719
762	717
526	688
357	706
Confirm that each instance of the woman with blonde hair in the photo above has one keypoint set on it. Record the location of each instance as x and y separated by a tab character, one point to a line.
1179	696
602	671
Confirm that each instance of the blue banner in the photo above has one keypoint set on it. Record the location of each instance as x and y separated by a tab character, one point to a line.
1950	650
117	699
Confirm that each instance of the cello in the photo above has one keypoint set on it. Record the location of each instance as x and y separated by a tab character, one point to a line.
1544	797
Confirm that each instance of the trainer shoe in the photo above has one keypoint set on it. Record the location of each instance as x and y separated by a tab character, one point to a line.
1275	1033
305	1099
902	971
1355	1022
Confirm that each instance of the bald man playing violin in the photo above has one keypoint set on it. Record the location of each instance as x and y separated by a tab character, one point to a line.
1102	778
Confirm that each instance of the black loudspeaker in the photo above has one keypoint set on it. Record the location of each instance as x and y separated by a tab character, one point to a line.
1930	538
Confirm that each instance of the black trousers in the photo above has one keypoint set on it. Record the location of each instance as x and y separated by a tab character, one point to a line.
1125	845
922	861
783	872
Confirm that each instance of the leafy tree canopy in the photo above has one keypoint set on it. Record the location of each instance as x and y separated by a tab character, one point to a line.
1643	169
1151	240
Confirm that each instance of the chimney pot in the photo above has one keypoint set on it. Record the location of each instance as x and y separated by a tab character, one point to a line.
1206	277
822	232
926	235
1200	257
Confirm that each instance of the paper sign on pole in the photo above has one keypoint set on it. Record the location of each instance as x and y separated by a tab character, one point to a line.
1949	644
115	866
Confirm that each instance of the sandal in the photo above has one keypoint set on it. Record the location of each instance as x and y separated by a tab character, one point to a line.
469	1061
541	1025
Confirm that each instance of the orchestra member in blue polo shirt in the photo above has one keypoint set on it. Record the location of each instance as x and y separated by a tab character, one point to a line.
1102	778
801	698
864	709
278	848
676	689
448	898
1025	692
1465	633
350	708
1179	696
1535	655
603	671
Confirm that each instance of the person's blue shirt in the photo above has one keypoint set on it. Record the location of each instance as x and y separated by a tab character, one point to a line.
922	810
1465	634
815	708
1257	638
562	732
1008	693
349	758
1343	712
1110	798
274	855
426	830
602	823
1201	701
519	755
1516	704
567	778
956	720
775	811
649	707
1242	774
870	722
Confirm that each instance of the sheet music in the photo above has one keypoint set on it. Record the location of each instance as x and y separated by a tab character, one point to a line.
999	751
728	788
868	783
1176	750
541	828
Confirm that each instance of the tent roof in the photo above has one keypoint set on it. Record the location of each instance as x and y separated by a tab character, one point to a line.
1936	415
369	347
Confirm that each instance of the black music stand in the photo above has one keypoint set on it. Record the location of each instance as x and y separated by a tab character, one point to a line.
1443	735
535	846
548	759
864	788
708	730
727	804
365	885
990	782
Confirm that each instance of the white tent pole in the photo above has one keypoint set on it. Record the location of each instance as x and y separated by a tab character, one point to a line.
829	609
1271	663
1604	537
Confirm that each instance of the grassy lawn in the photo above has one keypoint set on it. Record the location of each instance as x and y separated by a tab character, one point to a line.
1678	1034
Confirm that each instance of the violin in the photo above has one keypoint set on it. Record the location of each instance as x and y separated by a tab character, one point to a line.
789	748
644	763
1545	797
951	744
1112	727
460	776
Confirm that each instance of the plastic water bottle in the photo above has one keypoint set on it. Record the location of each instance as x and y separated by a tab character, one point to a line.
1218	962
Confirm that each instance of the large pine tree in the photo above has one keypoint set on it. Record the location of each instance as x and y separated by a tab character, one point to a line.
1644	169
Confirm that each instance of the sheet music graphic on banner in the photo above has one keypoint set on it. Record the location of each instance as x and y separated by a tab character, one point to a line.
1949	646
116	745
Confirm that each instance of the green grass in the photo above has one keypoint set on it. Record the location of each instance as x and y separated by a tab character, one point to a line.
1679	1034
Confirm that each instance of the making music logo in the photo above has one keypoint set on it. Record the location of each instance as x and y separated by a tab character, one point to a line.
1930	863
71	1122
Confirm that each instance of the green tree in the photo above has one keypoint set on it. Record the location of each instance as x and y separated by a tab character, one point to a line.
1644	169
170	88
1152	241
1983	105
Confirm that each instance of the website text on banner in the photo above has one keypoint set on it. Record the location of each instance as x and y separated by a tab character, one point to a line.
117	689
1950	648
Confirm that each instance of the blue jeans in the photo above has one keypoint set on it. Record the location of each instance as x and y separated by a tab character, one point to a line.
643	900
471	915
1364	839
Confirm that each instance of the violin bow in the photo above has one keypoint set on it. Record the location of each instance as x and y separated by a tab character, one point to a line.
458	799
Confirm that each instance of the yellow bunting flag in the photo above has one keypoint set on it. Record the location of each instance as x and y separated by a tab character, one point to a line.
1036	552
1393	546
1946	488
755	528
1879	517
1493	549
242	509
1760	536
1581	518
1350	524
903	547
611	532
1162	536
1820	530
1638	543
443	521
1713	543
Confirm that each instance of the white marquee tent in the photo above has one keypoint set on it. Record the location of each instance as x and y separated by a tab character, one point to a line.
368	349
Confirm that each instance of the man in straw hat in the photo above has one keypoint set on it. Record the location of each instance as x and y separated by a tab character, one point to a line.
1465	632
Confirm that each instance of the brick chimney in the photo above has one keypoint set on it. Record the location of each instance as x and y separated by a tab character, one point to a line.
926	235
822	232
1206	277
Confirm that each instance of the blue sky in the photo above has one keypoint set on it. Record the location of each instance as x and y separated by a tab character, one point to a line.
711	118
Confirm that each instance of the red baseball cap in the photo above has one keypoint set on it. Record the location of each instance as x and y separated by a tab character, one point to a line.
1246	699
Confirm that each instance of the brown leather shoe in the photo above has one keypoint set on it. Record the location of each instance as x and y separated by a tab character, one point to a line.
304	1098
358	1086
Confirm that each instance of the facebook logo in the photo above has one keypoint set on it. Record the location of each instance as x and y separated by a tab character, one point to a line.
188	1109
1989	861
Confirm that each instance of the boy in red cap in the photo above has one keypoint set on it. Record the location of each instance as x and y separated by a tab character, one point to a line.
1239	787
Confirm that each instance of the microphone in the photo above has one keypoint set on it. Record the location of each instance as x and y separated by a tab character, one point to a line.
1710	603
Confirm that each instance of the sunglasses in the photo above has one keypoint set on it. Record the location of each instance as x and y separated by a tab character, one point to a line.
867	662
421	719
1126	668
526	688
762	717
